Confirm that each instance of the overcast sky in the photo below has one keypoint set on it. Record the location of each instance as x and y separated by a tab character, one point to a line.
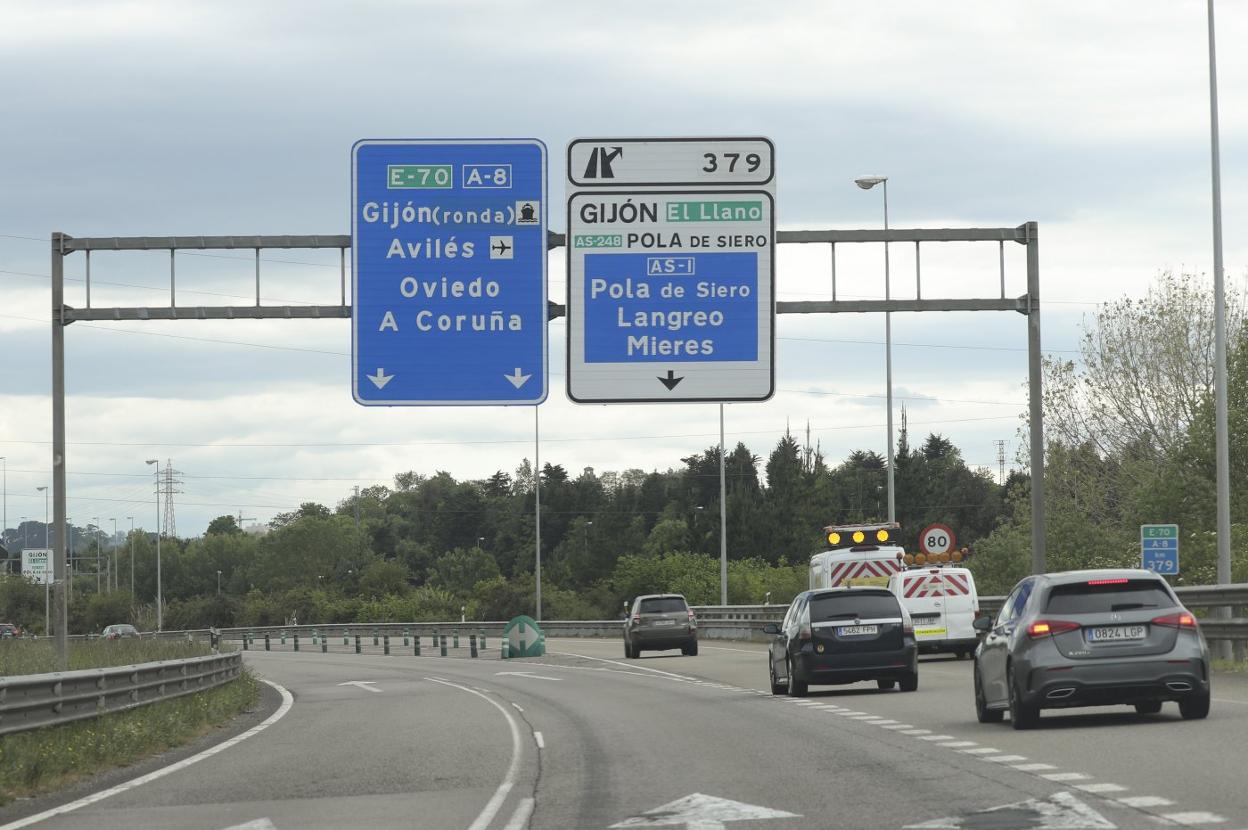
152	118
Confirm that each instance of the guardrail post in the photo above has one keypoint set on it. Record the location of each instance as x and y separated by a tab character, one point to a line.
283	636
405	636
416	648
374	636
455	638
296	641
442	645
266	641
357	643
472	644
314	634
483	639
386	640
244	641
346	637
504	650
437	635
324	645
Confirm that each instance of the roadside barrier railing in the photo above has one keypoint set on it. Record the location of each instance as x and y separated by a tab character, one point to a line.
33	701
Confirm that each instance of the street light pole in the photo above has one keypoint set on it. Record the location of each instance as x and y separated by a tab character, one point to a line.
159	610
1222	438
219	582
866	183
47	586
112	558
96	523
131	538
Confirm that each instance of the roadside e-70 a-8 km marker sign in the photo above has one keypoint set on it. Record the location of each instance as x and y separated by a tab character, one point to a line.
671	270
448	246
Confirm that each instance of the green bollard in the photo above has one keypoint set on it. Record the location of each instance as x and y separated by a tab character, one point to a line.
266	641
455	639
283	636
357	643
386	640
346	637
472	645
405	636
436	637
416	650
324	645
296	641
483	639
314	633
374	636
443	646
504	650
244	642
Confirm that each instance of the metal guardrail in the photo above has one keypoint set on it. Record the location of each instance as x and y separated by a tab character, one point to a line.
34	701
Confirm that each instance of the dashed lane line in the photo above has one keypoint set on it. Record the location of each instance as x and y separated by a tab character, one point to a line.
1065	776
1142	801
981	750
1194	819
520	818
1032	767
1103	787
541	742
1004	759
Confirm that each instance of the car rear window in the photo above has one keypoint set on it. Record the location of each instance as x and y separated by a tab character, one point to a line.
663	605
1101	596
853	604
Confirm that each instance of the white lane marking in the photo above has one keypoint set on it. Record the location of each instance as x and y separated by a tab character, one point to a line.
898	726
742	650
983	750
916	732
258	824
866	717
1004	759
367	685
1101	788
935	737
1032	767
527	674
513	769
958	744
1194	818
287	701
698	811
1139	801
1052	776
541	742
885	722
520	818
517	705
630	666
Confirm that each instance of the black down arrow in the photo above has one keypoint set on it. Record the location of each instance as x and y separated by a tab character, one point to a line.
671	380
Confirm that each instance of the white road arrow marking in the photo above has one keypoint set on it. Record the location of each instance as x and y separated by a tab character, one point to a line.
701	812
381	378
363	684
517	379
528	674
258	824
1061	812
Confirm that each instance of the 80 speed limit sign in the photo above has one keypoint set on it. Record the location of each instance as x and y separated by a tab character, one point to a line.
936	538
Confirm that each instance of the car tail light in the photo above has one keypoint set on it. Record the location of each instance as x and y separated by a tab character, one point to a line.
804	633
1121	581
907	626
1181	620
636	619
1045	628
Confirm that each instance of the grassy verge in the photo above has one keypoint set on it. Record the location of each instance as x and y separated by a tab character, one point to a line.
1229	665
48	759
39	656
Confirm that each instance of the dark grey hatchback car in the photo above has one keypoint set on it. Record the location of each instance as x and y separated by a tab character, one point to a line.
658	622
842	635
1090	638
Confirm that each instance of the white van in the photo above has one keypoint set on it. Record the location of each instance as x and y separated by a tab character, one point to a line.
943	604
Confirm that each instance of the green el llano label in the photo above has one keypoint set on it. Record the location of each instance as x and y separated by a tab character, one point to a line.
598	240
419	177
716	211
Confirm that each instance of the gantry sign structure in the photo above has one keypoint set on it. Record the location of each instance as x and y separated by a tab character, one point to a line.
64	246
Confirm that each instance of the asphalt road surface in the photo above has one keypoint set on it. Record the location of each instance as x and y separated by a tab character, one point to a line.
583	738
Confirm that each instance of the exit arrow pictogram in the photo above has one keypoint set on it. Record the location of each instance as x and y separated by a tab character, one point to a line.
671	380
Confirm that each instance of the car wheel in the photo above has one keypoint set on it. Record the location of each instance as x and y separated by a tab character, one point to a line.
776	688
886	684
1022	715
910	683
1148	707
1195	706
690	650
631	651
982	713
796	688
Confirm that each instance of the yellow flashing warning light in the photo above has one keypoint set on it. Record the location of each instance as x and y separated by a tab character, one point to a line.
859	537
909	558
881	535
920	559
957	556
834	538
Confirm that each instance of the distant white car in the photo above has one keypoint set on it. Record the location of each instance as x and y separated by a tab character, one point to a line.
121	631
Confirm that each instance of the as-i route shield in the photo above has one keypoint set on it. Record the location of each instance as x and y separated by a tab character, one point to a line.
449	258
671	270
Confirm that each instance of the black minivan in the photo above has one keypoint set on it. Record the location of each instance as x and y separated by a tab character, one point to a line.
843	635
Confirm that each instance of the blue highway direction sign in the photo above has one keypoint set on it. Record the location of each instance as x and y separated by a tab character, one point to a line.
448	246
1159	548
671	270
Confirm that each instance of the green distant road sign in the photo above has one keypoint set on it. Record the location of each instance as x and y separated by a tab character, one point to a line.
524	637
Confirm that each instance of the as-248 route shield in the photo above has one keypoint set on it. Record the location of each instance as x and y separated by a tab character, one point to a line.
449	258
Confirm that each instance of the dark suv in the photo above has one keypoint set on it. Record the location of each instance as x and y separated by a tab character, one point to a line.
843	635
658	622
